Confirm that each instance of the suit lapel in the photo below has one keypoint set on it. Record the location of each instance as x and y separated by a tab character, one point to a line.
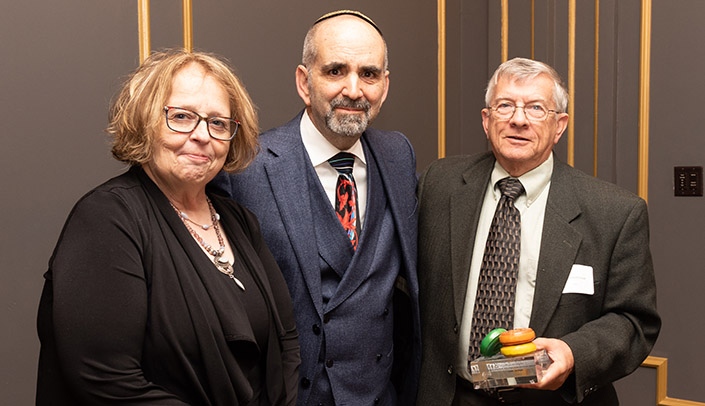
465	207
389	188
401	206
559	247
361	264
286	173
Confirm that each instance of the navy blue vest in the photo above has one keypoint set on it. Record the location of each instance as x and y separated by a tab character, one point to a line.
356	352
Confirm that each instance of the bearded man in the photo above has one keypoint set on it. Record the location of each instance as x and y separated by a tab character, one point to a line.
336	201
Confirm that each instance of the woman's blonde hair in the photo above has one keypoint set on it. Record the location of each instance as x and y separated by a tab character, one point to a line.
136	115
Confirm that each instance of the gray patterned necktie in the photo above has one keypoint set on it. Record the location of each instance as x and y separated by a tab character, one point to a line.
494	302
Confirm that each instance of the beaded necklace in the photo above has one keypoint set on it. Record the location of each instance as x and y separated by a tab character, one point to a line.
222	264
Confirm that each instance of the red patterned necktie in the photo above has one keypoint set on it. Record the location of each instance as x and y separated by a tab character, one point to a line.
494	302
346	195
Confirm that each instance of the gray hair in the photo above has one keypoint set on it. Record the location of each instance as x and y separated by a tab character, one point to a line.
523	69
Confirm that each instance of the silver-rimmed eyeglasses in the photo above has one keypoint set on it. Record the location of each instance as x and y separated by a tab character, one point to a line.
185	121
532	111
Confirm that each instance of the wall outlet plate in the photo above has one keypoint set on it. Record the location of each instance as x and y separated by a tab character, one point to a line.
688	181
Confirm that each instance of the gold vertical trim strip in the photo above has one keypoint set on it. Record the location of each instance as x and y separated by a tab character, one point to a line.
504	35
571	82
533	29
187	17
644	80
143	31
596	87
441	78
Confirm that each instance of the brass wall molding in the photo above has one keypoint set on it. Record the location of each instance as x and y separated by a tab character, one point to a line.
187	21
596	88
644	100
144	27
441	15
504	35
662	399
570	158
533	29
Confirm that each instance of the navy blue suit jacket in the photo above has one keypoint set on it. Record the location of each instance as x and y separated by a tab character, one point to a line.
271	187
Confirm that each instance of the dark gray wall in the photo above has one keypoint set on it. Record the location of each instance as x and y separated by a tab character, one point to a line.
61	63
678	223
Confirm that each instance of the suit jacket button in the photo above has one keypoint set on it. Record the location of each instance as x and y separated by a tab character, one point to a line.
386	311
455	328
376	401
326	318
305	383
316	329
329	363
379	357
450	369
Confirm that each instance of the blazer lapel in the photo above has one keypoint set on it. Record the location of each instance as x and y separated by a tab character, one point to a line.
287	176
393	184
465	207
389	186
559	247
362	262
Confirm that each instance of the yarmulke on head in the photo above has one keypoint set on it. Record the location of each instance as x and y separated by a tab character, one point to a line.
349	12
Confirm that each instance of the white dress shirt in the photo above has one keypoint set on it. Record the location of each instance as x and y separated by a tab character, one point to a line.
532	206
320	151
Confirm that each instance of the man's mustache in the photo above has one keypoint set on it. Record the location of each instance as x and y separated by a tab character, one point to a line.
361	104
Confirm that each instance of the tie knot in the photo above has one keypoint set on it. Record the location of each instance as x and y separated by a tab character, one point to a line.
511	187
343	162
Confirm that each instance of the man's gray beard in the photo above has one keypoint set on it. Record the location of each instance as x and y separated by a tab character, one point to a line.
349	125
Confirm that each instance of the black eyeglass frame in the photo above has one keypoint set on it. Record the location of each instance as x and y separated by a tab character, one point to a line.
527	115
234	122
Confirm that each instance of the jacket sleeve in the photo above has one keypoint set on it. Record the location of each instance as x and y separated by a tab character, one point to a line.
614	344
99	308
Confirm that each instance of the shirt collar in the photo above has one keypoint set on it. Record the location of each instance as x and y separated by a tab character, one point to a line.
534	181
317	146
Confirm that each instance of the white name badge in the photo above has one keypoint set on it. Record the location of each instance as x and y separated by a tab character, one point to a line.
580	280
